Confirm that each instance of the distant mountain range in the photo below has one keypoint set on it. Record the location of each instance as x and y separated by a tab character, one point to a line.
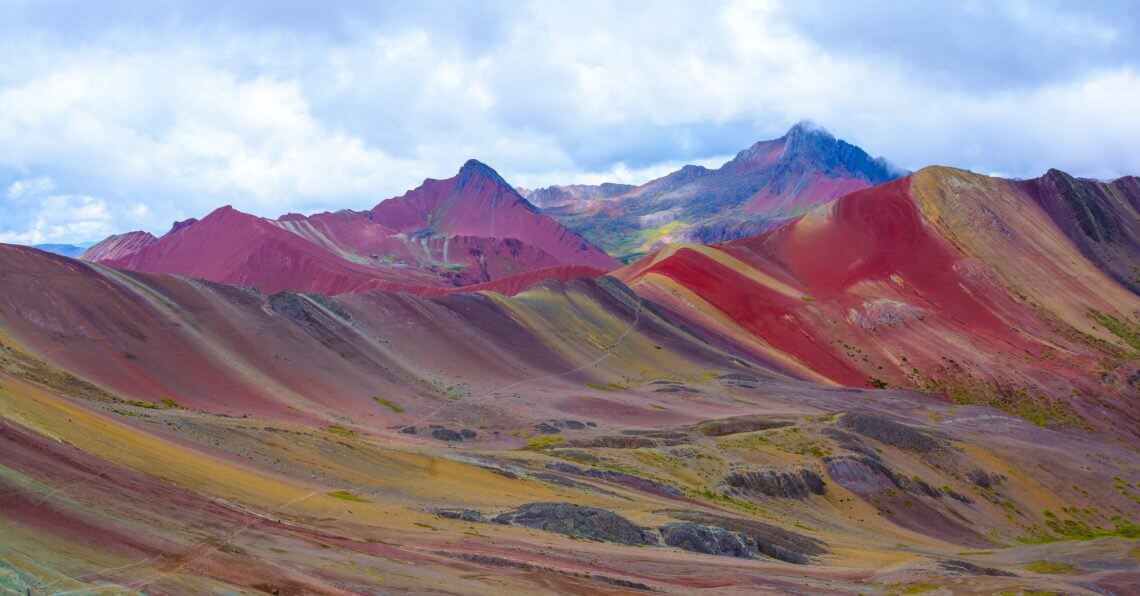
67	250
764	185
470	229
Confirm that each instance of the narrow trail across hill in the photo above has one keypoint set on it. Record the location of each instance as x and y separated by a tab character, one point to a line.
206	546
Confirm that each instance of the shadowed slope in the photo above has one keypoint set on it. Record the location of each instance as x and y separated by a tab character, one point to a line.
1102	219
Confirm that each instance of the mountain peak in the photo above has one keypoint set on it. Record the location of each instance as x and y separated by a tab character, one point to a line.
808	142
807	128
475	168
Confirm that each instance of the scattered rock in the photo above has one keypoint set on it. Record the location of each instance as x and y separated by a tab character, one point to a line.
468	433
766	539
408	430
554	427
578	521
710	540
771	483
446	434
460	514
980	478
967	568
738	424
892	433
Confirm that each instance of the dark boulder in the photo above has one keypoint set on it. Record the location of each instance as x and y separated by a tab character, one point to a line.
460	514
738	424
980	478
770	483
446	434
966	568
892	433
578	521
710	540
766	539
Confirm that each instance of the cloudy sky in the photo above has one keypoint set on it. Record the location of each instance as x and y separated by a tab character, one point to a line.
124	115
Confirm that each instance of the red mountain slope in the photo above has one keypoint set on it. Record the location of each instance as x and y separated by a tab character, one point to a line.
467	230
946	281
232	247
477	202
118	246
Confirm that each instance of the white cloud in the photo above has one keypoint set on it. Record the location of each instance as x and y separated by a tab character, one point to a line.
161	119
52	217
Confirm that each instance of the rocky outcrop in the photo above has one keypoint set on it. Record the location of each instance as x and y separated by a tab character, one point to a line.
738	424
957	567
578	521
710	540
799	484
442	433
892	433
459	514
553	427
764	539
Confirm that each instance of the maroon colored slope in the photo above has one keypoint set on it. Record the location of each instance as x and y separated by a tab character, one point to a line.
229	246
118	246
468	230
477	202
1101	218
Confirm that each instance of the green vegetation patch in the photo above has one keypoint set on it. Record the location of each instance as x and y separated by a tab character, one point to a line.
1051	567
537	443
388	404
953	382
347	496
142	404
1125	329
337	429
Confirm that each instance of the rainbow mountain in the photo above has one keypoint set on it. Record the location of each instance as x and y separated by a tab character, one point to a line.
928	382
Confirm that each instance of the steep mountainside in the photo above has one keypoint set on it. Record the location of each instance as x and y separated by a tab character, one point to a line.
1102	219
946	281
764	185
